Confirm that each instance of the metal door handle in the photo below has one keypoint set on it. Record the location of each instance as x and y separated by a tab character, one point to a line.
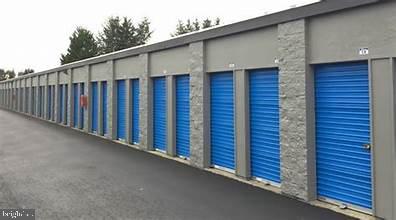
367	146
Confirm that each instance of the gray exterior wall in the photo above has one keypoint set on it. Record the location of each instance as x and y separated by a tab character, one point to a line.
229	53
371	27
169	61
79	75
52	79
129	67
292	41
99	72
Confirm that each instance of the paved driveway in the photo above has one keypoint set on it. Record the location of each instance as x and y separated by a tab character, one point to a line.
65	174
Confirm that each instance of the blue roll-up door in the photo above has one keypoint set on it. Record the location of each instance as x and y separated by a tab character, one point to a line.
94	107
21	99
61	100
42	101
222	120
27	90
26	97
39	101
135	111
183	116
104	106
52	104
81	107
264	124
75	104
66	96
33	106
121	109
41	96
16	95
342	131
160	113
49	104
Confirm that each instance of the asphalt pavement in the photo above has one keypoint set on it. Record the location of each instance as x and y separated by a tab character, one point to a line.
66	174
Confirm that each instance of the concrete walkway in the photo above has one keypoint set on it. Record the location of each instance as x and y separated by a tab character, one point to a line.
65	174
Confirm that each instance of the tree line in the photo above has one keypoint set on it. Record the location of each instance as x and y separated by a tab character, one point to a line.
9	74
117	33
121	33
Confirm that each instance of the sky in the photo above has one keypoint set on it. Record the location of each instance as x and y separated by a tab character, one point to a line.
35	33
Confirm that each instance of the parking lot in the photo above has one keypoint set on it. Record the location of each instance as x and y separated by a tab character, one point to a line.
65	174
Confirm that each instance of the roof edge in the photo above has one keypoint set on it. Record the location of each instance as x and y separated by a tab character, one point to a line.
310	10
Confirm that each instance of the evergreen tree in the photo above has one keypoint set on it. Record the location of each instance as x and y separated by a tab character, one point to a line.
6	74
82	46
25	72
196	25
120	34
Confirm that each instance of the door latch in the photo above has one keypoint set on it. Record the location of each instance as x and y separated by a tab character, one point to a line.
367	146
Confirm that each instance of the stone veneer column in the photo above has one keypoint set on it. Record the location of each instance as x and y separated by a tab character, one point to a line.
45	105
296	113
199	107
25	96
111	102
37	106
19	86
145	105
30	99
70	97
57	98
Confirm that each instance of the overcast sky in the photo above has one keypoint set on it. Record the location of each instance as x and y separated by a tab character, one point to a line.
35	33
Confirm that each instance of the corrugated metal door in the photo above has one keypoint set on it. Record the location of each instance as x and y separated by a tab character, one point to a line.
94	107
66	97
21	99
81	107
76	105
104	106
42	101
16	97
183	116
53	97
33	106
41	96
121	109
264	124
27	99
61	97
160	113
135	111
222	120
342	131
49	107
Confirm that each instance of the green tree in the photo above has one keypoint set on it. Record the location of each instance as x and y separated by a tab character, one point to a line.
82	46
196	25
6	74
25	72
120	33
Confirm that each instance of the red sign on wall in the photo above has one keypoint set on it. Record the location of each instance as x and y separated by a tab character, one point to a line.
84	101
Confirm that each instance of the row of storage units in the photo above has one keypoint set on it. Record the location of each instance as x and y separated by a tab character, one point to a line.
343	160
342	127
